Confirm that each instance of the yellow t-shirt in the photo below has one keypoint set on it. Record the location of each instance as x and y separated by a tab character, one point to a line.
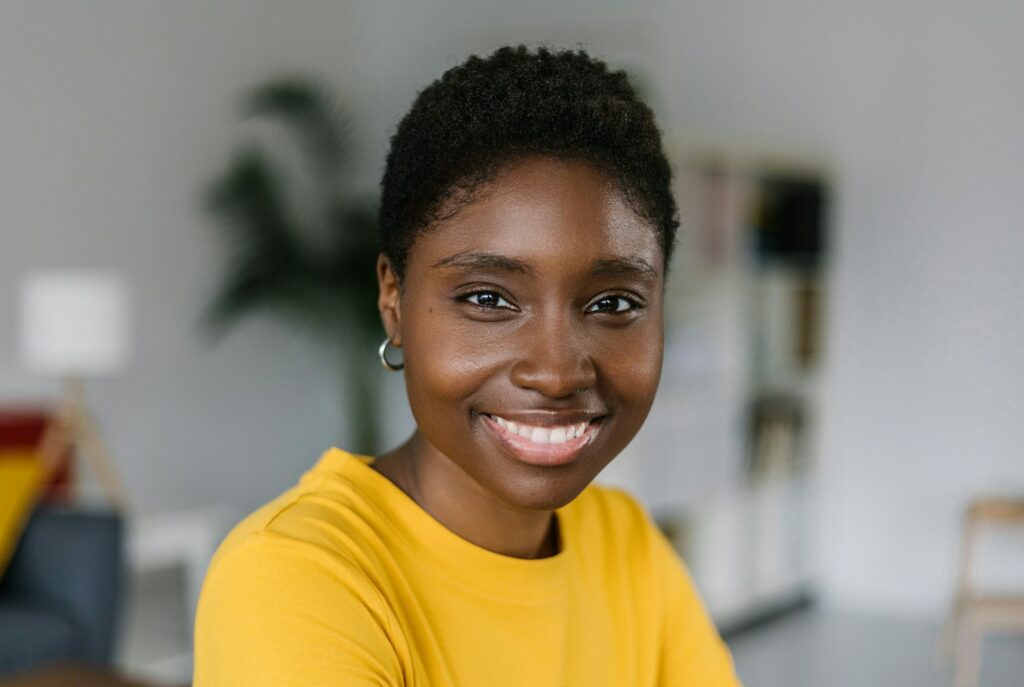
345	580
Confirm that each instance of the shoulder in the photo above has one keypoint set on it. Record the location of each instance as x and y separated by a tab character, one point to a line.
610	520
279	597
611	512
691	651
314	517
286	550
304	541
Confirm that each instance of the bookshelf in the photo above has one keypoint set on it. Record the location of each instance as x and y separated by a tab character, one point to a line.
728	459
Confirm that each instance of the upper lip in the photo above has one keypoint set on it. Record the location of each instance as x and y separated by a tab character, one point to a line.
547	418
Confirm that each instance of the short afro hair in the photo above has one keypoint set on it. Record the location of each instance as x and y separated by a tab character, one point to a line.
488	112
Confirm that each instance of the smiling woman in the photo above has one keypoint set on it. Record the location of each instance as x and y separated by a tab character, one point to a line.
543	328
526	225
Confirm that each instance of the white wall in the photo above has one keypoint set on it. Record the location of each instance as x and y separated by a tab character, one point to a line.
115	113
919	107
927	382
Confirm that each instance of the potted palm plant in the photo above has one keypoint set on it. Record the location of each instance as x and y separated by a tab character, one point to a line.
299	247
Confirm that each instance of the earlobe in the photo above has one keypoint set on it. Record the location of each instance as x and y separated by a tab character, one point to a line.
389	300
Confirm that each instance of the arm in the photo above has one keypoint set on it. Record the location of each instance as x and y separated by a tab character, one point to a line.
276	611
693	653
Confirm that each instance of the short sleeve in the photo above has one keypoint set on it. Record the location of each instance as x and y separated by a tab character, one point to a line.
281	612
692	653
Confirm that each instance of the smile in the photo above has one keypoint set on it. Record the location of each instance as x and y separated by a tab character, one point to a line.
542	445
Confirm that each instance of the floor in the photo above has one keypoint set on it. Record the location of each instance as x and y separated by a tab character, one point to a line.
813	648
810	648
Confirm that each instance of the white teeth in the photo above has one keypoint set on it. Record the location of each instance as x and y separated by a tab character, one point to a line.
510	426
543	435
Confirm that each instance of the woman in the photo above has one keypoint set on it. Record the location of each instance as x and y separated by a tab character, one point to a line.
526	228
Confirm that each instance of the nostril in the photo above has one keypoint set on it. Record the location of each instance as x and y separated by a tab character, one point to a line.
553	378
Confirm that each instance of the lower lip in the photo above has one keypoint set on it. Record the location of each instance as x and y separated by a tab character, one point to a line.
546	455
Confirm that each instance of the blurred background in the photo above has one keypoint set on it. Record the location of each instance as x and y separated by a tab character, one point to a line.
184	190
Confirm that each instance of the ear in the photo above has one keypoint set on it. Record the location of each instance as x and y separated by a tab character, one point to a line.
389	300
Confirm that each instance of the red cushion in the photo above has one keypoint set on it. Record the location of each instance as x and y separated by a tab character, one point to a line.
23	427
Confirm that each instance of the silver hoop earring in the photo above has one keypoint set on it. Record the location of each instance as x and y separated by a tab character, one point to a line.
382	354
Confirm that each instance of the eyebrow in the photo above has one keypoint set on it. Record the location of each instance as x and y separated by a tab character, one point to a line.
623	266
485	261
602	267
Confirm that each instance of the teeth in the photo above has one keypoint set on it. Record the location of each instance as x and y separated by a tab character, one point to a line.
510	426
543	435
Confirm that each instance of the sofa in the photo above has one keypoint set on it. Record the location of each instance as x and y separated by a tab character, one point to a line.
61	595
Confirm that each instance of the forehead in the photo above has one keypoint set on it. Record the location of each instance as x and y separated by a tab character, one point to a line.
555	215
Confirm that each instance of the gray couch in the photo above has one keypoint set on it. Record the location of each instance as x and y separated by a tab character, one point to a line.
60	597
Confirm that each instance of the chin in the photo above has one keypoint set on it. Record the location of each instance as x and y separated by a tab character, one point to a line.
543	492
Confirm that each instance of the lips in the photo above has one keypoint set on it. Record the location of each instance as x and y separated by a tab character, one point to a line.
544	439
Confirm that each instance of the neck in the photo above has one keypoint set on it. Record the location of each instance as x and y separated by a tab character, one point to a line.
462	505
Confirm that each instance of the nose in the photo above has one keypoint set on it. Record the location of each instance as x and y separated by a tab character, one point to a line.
553	358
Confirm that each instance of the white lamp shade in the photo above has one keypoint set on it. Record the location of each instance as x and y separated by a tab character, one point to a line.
74	322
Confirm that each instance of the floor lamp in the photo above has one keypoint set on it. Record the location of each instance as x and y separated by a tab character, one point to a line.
74	325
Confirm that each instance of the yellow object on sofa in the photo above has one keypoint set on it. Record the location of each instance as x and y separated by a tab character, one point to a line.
21	483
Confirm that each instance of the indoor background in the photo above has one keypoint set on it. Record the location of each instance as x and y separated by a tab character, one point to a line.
834	564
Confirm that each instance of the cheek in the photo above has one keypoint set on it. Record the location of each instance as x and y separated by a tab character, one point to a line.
445	362
634	369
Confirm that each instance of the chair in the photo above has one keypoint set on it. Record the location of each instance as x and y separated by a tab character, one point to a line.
976	613
60	597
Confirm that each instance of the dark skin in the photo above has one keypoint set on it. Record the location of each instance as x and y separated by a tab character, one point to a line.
542	300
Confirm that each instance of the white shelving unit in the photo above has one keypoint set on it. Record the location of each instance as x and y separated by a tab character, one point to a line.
742	343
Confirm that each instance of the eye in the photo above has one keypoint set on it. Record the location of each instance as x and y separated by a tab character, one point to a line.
613	304
488	300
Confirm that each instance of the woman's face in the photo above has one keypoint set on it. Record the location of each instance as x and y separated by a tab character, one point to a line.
531	326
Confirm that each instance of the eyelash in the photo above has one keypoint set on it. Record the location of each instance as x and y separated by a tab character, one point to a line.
485	292
633	303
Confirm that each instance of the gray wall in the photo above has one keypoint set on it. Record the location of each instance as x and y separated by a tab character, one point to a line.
114	114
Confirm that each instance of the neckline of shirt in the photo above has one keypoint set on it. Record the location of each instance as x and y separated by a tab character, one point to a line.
489	573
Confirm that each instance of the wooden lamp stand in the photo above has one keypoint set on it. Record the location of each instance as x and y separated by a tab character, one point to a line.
74	425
